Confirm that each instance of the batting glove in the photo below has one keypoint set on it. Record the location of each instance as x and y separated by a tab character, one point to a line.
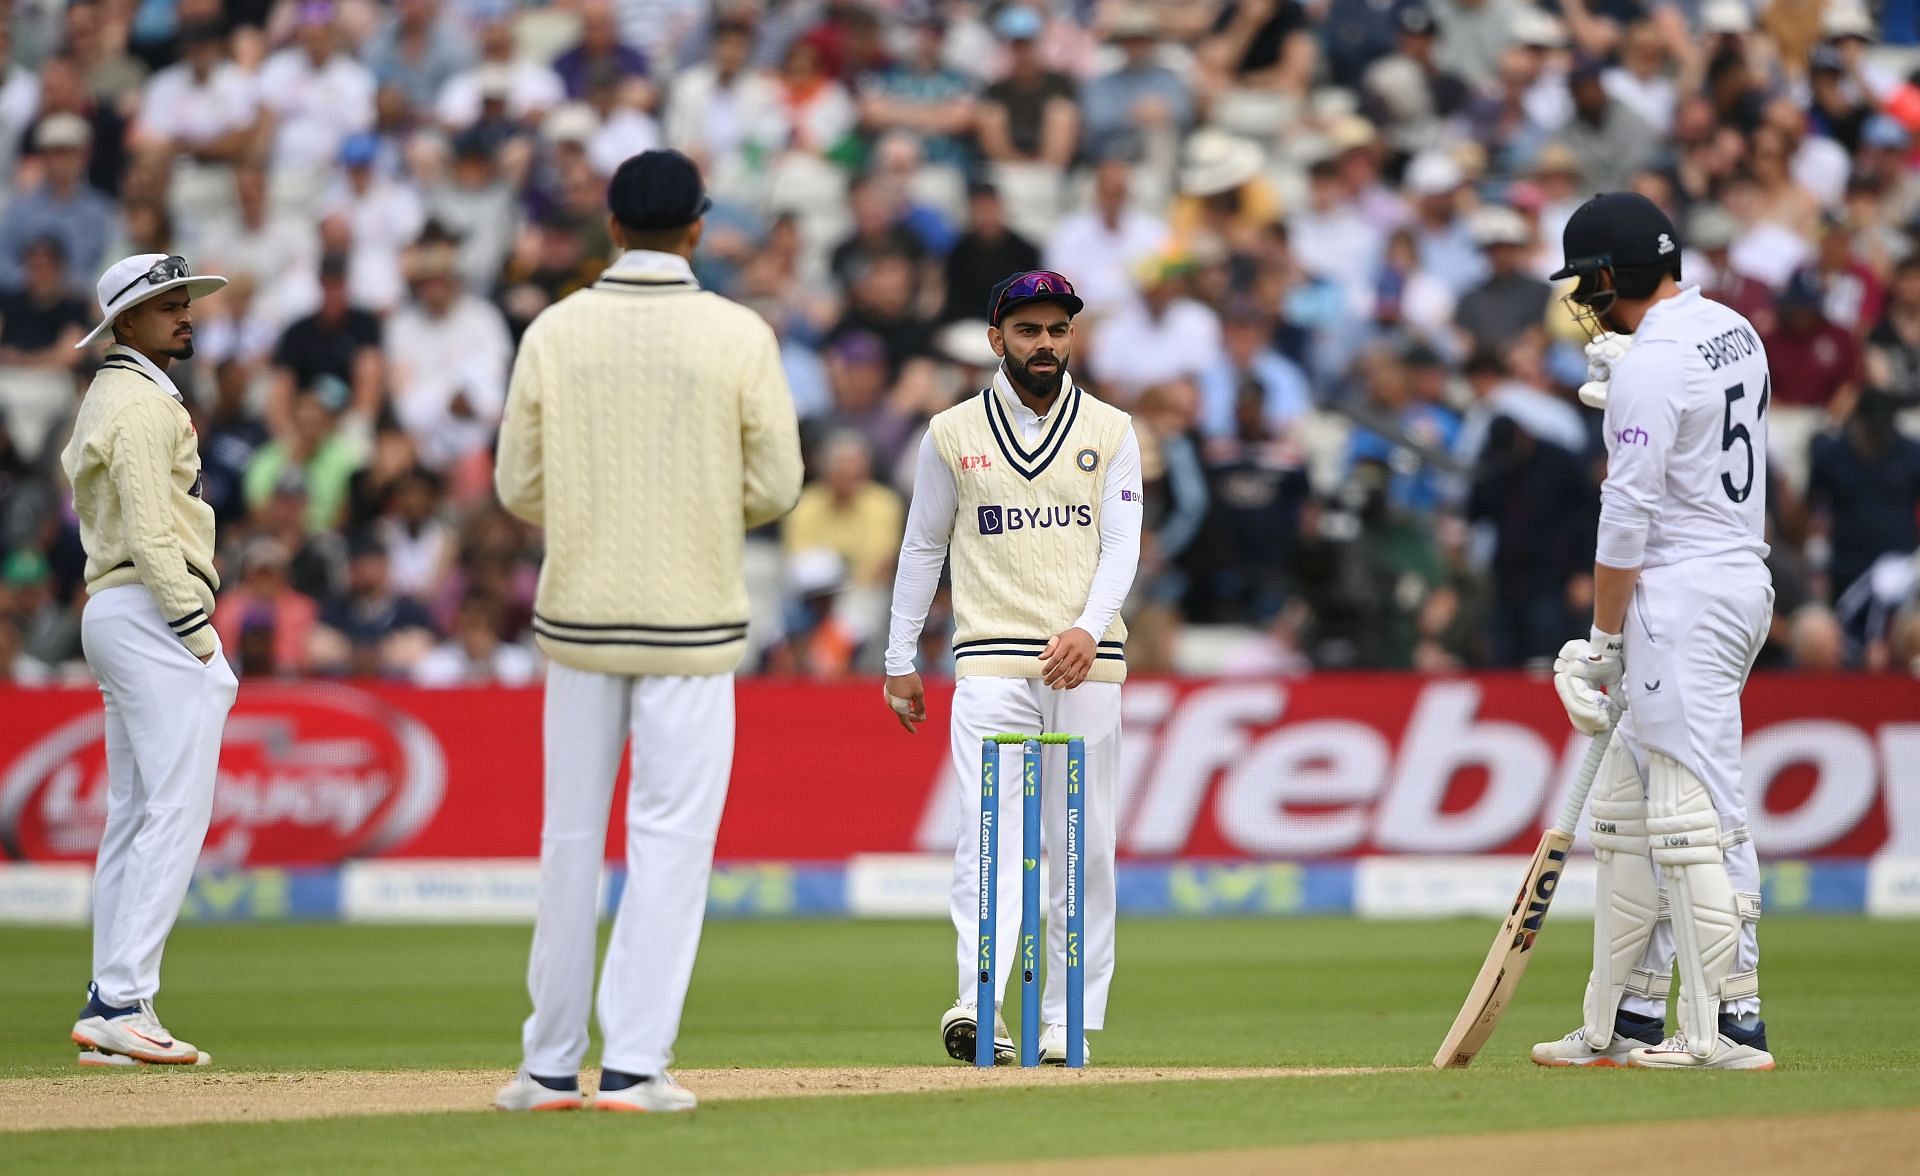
1602	354
1589	710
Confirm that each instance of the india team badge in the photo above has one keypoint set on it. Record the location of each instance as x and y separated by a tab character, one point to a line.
1087	460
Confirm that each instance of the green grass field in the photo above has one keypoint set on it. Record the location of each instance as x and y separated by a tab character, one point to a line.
1839	1004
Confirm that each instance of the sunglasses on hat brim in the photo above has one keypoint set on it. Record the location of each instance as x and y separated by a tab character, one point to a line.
167	269
1036	286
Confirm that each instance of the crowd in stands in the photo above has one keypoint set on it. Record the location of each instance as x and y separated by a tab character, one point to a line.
1313	242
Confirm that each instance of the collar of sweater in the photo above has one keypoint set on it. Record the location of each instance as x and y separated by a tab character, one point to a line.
152	369
1003	388
648	265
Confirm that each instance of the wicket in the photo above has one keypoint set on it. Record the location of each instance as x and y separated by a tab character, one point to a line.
1030	792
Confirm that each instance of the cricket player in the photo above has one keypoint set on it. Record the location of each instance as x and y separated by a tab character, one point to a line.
134	465
648	426
1033	489
1682	603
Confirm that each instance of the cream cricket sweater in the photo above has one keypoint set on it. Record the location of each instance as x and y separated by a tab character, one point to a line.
134	465
648	426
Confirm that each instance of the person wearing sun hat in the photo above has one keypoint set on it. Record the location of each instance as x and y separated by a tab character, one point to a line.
134	465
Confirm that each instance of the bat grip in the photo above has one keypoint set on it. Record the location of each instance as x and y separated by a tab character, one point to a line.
1583	783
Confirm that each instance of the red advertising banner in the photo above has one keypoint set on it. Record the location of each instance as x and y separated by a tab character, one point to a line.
1331	766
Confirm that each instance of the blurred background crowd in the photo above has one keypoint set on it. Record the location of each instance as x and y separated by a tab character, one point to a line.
1312	239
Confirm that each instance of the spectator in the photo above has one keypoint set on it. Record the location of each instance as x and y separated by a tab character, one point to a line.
1262	45
199	117
1643	81
318	95
1441	232
17	666
1605	135
370	630
1408	299
61	206
419	49
1160	337
881	303
1174	480
1711	233
1892	360
63	90
274	255
1851	294
382	215
339	339
924	97
817	110
1511	302
112	76
1332	239
476	656
1813	360
529	88
1473	33
1408	430
1541	507
478	207
1864	490
49	633
420	546
1101	248
1140	95
1251	376
857	372
19	101
447	356
263	617
1504	387
230	437
987	252
725	114
1818	644
625	127
324	450
1031	116
600	50
879	227
1223	196
848	513
39	327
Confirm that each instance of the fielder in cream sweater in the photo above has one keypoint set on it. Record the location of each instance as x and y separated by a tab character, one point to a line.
1032	488
134	465
648	425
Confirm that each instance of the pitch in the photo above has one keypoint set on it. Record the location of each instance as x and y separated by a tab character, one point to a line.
803	1028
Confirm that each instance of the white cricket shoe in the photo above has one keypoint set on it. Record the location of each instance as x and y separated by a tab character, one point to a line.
136	1034
657	1093
524	1094
957	1029
1573	1050
93	1057
1728	1054
1053	1047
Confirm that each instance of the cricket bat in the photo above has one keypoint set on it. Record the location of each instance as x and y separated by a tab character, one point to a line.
1512	949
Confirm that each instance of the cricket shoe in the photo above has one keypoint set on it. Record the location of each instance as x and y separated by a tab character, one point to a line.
957	1030
657	1093
1734	1049
1053	1047
132	1031
1629	1033
527	1093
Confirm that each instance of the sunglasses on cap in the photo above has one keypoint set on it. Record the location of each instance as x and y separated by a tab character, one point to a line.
167	269
1034	286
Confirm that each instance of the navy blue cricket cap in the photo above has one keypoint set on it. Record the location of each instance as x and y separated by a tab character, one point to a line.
1031	286
657	190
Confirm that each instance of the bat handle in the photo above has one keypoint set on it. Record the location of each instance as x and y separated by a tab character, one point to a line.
1583	783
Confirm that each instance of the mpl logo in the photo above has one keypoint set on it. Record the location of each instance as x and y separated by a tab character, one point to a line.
309	774
975	461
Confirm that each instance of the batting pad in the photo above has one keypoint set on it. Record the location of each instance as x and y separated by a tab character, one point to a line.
1684	835
1627	901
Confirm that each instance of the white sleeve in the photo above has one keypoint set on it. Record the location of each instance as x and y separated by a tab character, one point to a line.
1119	540
923	549
1642	426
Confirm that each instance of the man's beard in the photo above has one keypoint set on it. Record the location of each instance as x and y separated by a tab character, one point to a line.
183	351
1039	385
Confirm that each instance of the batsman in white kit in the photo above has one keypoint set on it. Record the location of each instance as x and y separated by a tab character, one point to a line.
1682	604
648	427
1033	488
134	465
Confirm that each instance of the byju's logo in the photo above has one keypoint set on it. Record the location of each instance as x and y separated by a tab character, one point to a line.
998	520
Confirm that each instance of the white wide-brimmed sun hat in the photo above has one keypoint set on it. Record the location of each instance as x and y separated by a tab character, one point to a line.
132	280
1217	162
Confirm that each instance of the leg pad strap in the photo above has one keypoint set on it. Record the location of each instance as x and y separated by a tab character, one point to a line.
1645	983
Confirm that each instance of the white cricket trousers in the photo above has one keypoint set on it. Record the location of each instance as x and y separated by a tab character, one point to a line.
1692	633
680	731
165	712
991	706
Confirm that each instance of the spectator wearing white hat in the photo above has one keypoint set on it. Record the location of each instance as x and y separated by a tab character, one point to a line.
319	96
530	88
1512	302
62	205
1849	28
1435	183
